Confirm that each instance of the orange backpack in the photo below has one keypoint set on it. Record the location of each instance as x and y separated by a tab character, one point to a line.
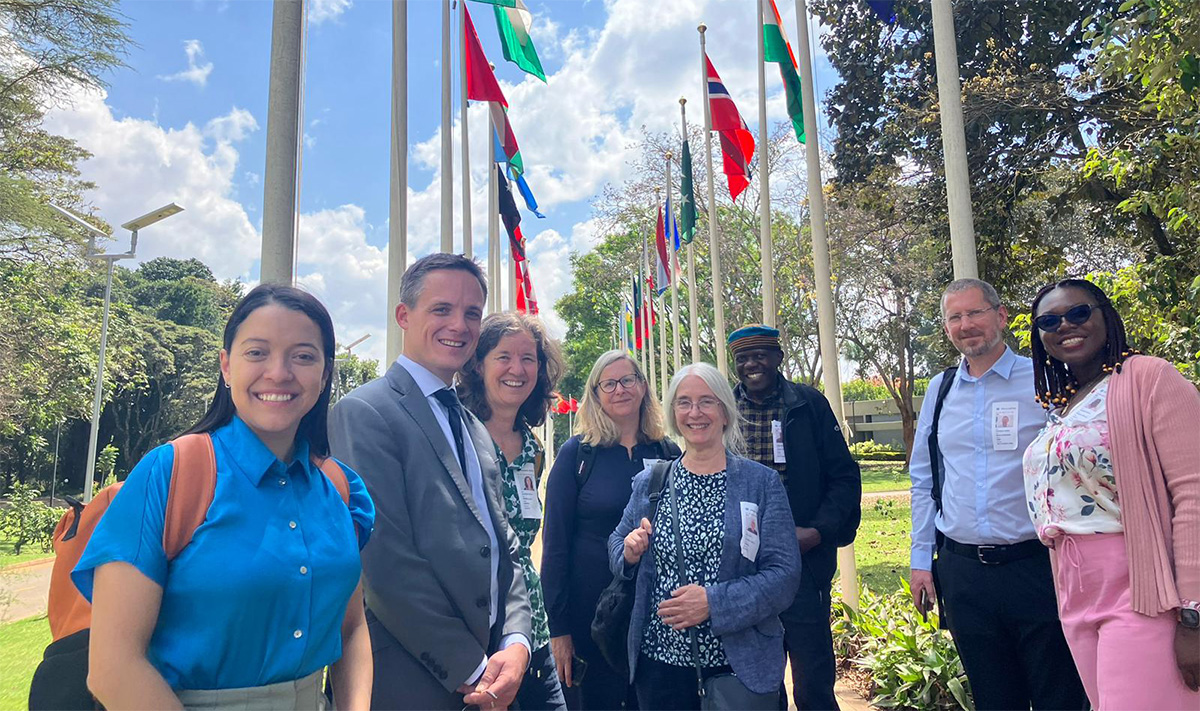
193	481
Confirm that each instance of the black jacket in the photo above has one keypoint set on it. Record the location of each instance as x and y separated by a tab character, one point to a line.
823	481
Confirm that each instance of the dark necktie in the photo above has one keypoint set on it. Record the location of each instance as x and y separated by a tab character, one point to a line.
449	398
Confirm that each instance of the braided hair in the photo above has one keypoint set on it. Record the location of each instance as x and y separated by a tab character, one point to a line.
1054	383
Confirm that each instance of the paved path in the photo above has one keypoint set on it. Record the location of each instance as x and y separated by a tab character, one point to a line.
24	589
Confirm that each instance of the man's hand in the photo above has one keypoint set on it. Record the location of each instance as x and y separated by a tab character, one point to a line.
808	538
1187	655
498	686
687	607
563	648
922	581
637	542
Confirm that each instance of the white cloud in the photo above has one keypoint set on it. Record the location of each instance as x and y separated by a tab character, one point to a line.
196	73
320	11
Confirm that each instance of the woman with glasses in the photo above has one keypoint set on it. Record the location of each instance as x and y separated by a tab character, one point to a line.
716	611
508	384
1113	483
620	431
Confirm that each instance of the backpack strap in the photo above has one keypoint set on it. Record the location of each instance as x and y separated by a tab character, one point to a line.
658	476
935	451
193	481
584	456
336	475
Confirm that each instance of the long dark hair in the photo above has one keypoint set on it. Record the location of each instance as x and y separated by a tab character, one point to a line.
1054	383
473	392
314	424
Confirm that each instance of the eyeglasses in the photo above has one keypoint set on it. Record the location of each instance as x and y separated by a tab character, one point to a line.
706	404
955	319
1076	315
628	382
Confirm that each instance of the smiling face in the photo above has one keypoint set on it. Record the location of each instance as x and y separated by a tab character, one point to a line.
1079	346
758	370
623	403
974	326
509	371
698	414
442	328
275	370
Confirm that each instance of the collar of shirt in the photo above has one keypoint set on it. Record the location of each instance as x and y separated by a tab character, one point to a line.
252	458
1002	367
424	378
739	393
529	444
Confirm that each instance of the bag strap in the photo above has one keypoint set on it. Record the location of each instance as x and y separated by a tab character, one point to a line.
336	475
935	452
683	580
584	457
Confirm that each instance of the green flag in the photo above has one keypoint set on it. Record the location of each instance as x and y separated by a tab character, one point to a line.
687	197
512	22
501	3
776	49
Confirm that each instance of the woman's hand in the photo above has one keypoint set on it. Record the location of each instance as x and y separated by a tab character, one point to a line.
637	542
687	607
1187	655
563	648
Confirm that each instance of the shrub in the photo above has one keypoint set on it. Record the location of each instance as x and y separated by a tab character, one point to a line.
912	663
27	520
871	450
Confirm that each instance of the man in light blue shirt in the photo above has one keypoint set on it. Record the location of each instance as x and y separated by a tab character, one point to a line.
974	548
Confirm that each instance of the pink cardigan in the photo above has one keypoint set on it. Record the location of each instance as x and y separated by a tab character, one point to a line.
1154	431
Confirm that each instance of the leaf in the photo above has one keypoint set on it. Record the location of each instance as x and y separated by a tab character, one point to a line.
1087	510
960	694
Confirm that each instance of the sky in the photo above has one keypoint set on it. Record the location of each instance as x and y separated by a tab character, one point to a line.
186	122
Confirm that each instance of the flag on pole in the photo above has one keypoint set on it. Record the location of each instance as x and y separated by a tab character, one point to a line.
737	143
501	3
886	9
481	80
687	196
776	49
511	217
506	140
672	228
527	195
627	329
637	311
513	22
662	276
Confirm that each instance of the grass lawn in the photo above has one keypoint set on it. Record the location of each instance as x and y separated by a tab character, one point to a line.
21	647
882	546
884	476
28	552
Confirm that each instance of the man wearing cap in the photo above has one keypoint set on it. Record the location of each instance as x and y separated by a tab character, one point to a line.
791	428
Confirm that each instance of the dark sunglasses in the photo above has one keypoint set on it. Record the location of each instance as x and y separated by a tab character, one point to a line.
1076	315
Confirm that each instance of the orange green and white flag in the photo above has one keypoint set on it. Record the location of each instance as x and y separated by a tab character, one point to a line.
776	49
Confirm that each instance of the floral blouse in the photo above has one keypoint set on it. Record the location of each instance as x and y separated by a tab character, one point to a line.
526	528
1069	479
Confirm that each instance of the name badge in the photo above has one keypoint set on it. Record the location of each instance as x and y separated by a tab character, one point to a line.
749	530
1004	426
531	507
777	441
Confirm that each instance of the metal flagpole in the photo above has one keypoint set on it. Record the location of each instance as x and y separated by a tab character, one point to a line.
714	249
678	357
821	271
954	142
466	143
284	109
649	292
693	315
766	251
447	169
398	193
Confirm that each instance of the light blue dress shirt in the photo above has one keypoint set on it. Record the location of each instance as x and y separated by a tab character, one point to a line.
983	493
430	384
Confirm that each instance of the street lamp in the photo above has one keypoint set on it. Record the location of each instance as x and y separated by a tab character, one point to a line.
342	359
93	253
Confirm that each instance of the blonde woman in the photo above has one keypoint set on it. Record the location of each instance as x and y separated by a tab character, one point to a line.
620	431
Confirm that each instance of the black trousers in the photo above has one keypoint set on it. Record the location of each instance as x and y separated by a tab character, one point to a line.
666	687
602	688
540	689
809	644
1004	621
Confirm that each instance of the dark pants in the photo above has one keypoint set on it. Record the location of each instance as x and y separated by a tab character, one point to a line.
809	644
602	687
1004	621
666	687
540	690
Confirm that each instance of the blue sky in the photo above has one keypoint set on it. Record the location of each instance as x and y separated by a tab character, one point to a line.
186	122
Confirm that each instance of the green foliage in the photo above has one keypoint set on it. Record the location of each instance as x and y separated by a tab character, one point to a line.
861	390
106	466
873	451
912	663
352	371
27	521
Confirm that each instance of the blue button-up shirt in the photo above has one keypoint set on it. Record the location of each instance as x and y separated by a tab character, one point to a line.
983	494
259	594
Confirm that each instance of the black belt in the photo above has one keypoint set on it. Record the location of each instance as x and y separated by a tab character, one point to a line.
994	555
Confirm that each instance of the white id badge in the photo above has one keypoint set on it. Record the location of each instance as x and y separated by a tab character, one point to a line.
1004	426
527	493
749	530
777	441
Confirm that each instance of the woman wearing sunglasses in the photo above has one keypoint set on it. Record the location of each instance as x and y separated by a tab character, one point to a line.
1113	483
620	431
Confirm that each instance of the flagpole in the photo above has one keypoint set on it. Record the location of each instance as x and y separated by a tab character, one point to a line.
398	193
662	319
494	276
714	248
447	169
678	362
466	143
512	269
766	250
693	316
954	143
650	315
821	270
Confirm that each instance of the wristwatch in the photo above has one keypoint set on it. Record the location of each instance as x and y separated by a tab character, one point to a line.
1189	618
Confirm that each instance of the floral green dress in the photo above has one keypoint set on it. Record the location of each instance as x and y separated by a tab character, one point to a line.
526	528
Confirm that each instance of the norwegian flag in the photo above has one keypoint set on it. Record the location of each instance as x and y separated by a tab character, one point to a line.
737	144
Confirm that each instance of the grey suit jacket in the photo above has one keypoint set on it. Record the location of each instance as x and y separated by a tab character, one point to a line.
427	567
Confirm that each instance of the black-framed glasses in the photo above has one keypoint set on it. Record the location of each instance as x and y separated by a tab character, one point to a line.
1076	315
628	382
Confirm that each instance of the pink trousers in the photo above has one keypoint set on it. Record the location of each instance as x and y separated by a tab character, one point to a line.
1125	659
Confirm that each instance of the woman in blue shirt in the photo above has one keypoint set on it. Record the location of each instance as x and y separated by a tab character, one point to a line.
267	592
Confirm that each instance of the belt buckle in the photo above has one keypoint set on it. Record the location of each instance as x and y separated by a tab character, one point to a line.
982	551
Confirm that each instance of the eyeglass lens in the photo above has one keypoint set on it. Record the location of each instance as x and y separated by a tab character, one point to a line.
1076	315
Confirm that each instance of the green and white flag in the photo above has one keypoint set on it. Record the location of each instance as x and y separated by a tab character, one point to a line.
776	49
513	22
501	3
687	197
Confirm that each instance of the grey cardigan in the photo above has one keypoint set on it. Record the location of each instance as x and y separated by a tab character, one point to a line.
745	605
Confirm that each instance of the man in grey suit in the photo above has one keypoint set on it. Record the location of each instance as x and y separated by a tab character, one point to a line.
447	607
